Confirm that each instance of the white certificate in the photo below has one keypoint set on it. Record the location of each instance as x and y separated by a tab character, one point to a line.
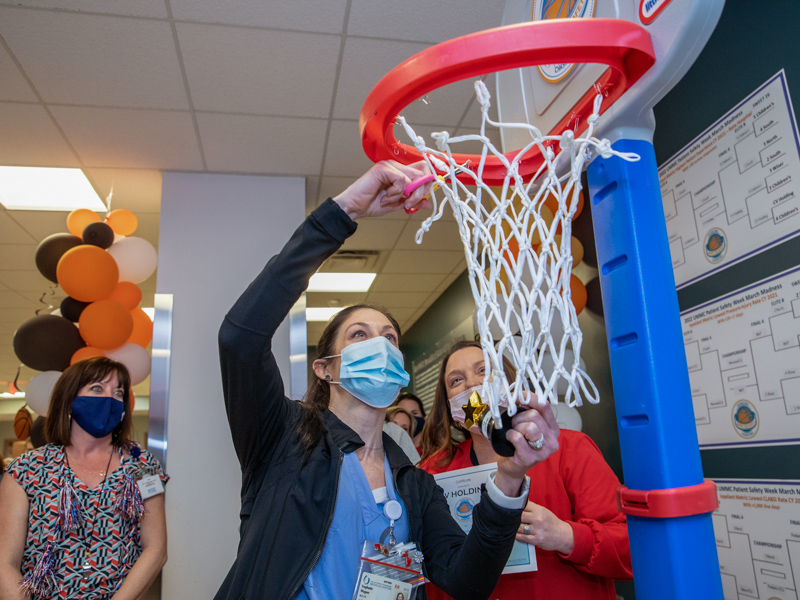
734	190
462	489
757	528
743	354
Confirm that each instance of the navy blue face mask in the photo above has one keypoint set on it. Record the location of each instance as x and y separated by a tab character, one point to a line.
420	421
97	415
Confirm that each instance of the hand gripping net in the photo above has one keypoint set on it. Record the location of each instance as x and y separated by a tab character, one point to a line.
519	259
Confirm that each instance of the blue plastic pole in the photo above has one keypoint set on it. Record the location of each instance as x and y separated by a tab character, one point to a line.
673	558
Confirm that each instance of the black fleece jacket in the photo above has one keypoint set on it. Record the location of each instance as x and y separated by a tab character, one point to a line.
288	502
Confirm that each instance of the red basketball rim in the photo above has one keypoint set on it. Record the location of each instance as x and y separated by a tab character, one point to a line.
624	46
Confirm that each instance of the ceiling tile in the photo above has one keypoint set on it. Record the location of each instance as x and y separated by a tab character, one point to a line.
16	316
137	190
25	280
374	234
434	21
141	8
364	62
41	223
300	15
14	87
401	314
11	232
441	236
143	138
41	300
30	138
255	71
17	257
312	190
76	58
404	282
344	156
318	299
448	280
414	261
250	144
22	300
330	187
398	299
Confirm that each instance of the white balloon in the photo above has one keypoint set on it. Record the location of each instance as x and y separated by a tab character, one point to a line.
567	417
136	259
135	358
39	389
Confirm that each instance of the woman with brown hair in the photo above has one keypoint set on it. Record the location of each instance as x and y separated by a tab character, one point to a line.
571	515
83	516
319	478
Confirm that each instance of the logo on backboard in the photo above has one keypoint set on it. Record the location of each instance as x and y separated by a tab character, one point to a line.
715	245
650	9
745	419
560	9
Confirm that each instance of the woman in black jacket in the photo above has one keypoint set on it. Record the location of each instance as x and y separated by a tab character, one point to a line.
307	466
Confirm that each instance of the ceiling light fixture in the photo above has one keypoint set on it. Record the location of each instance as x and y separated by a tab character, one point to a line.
39	188
341	282
321	313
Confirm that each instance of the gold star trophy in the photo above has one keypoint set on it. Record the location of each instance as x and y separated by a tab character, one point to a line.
478	414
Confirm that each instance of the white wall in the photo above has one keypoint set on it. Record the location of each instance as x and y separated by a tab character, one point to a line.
217	232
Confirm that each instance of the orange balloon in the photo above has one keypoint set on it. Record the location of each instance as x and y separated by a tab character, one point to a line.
105	324
142	328
576	249
87	273
84	353
579	294
126	293
122	222
78	219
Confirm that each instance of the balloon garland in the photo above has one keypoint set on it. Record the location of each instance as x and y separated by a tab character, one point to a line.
98	264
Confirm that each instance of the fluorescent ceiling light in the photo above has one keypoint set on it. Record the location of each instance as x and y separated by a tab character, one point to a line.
322	313
37	188
341	282
14	395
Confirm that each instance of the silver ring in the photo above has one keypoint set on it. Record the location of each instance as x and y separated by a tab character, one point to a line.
526	529
538	444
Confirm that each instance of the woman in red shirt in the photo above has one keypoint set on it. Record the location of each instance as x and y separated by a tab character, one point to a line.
572	518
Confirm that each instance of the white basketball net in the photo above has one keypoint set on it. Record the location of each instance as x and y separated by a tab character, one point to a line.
524	307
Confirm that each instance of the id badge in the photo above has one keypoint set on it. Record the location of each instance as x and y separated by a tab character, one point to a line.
376	587
388	573
150	486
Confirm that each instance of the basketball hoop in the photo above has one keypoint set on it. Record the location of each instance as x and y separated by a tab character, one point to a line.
519	271
623	46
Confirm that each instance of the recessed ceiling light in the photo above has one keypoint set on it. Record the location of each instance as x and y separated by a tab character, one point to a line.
38	188
341	282
321	313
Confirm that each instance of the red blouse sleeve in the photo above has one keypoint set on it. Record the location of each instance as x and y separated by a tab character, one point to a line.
601	531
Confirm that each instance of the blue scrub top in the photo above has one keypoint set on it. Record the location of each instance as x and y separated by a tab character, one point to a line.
357	517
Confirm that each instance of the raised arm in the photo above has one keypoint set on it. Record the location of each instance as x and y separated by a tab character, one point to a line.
254	396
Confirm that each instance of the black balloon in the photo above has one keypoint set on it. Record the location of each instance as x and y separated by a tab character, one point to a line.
71	309
38	438
98	234
594	297
50	251
47	342
583	229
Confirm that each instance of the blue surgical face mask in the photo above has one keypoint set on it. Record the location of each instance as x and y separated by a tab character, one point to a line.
372	371
97	415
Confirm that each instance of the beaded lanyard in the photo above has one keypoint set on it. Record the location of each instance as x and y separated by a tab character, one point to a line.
128	505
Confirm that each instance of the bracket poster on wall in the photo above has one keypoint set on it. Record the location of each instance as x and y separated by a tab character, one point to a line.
743	353
757	529
734	190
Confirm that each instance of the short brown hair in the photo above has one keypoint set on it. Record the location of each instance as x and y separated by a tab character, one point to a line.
57	428
393	411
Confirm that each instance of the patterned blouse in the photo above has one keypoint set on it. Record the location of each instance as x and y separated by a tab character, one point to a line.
104	536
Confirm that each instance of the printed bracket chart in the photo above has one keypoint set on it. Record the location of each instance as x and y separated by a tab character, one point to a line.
735	189
743	354
757	530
